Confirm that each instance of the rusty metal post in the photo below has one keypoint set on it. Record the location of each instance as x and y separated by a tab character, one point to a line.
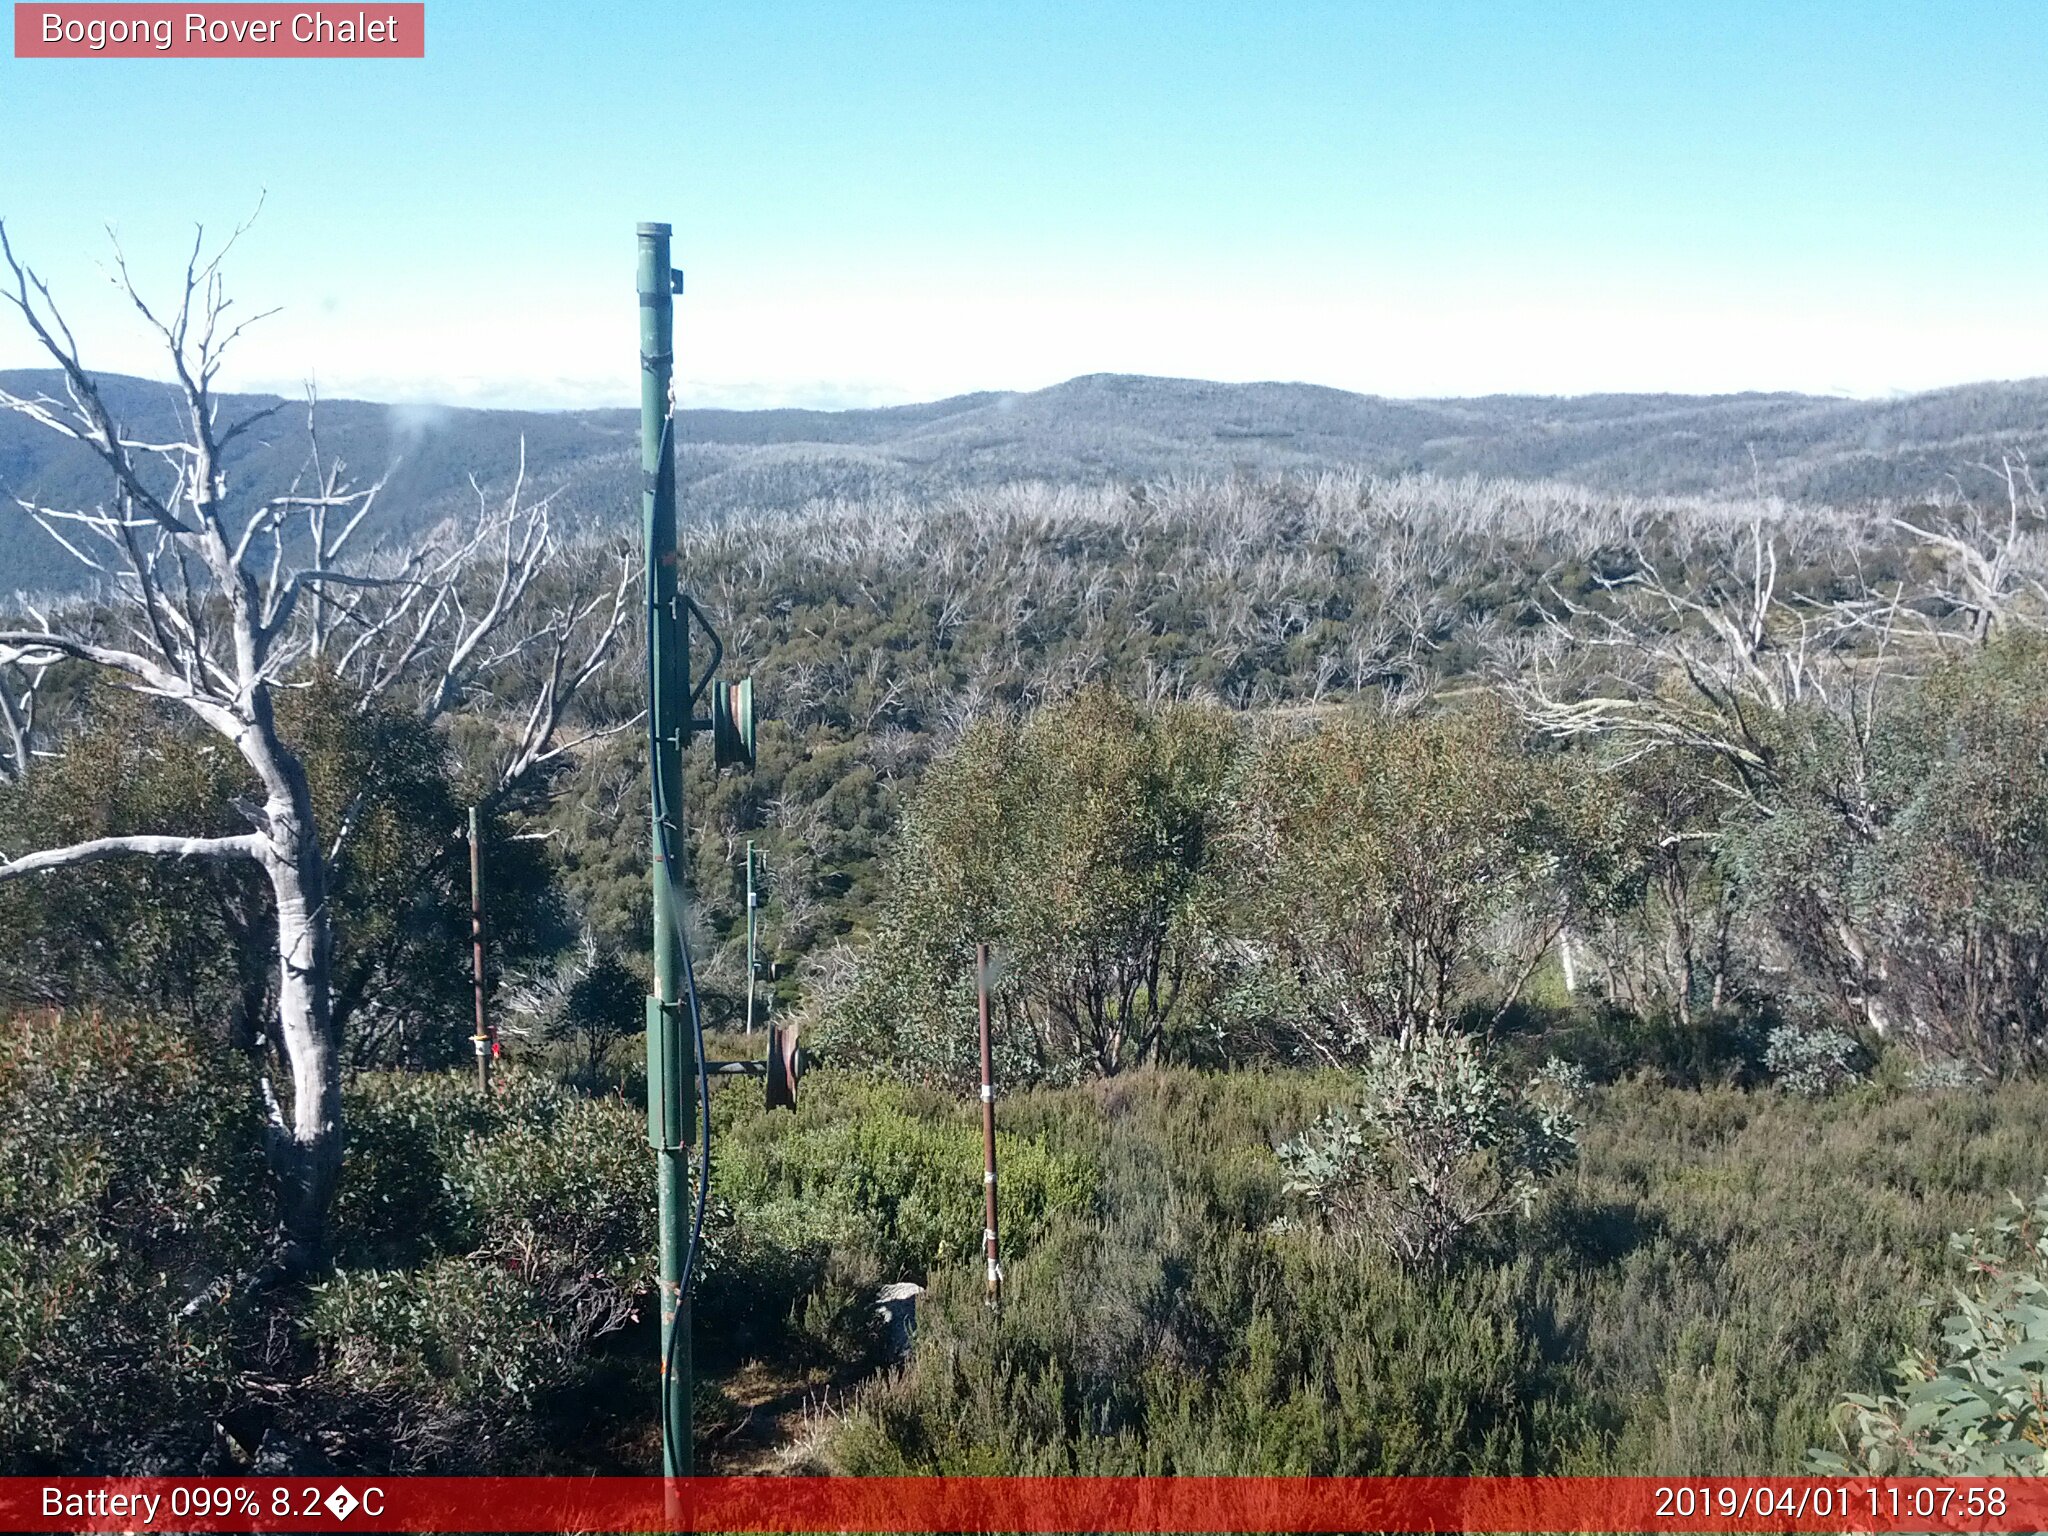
481	1038
988	1135
753	907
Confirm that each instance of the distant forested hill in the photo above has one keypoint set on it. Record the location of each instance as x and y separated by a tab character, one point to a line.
1104	427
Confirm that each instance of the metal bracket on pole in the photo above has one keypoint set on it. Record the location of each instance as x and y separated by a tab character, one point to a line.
668	1073
731	721
690	610
782	1065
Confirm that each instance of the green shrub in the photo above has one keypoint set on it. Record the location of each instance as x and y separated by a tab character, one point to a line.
1700	1049
1813	1062
459	1367
488	1246
489	1243
445	1364
1917	902
892	1170
1978	1408
1688	1300
133	1203
1945	1074
572	1196
1436	1146
399	1201
1171	1330
1685	1302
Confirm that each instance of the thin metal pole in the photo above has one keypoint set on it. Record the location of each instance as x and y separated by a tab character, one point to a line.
671	1056
750	936
988	1136
482	1038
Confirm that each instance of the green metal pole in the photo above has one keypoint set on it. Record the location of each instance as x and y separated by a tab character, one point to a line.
671	1058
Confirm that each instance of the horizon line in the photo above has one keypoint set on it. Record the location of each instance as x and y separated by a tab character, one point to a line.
708	396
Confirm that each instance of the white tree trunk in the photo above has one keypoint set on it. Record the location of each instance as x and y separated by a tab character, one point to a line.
307	1147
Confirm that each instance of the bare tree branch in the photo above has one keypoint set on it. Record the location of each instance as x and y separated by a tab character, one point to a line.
247	846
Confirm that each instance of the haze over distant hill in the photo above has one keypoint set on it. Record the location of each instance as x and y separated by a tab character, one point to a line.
1092	429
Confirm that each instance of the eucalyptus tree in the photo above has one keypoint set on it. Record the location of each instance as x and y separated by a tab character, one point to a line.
215	603
1870	755
1079	843
1393	873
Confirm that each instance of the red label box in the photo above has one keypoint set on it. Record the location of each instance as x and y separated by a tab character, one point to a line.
1135	1506
367	29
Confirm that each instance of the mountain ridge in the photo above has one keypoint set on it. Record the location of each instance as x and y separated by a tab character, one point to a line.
1090	429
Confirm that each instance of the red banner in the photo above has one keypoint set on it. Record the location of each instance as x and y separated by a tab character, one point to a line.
1033	1504
236	31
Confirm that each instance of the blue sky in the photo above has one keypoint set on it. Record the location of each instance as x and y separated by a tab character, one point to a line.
878	202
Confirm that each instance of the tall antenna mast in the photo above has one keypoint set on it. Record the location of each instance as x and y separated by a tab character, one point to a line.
677	1075
671	1044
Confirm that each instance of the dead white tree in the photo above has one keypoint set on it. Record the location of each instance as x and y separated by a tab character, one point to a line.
19	688
1719	672
1994	562
213	609
1708	671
